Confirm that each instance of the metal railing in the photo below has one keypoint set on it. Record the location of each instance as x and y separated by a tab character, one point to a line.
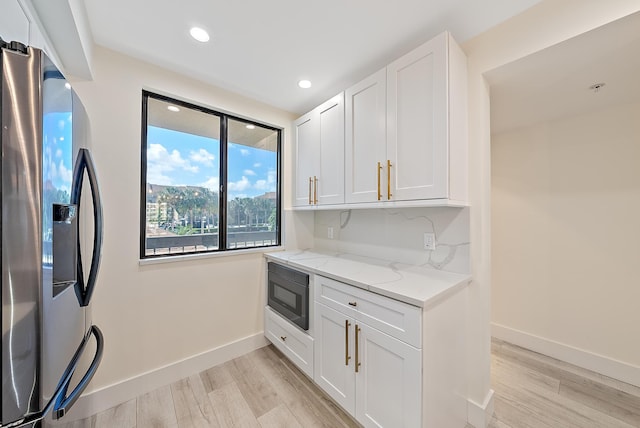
207	241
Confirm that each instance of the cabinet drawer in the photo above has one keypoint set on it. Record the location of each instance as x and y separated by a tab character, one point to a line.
291	341
395	318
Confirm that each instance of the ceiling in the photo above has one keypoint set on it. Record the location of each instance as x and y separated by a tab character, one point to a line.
260	49
555	82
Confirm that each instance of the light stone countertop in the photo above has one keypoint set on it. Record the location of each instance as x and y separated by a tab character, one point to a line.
416	285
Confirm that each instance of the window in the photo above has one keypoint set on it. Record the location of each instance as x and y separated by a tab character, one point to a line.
210	181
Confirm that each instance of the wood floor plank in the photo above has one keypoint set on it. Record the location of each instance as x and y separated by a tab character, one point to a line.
557	368
231	409
534	405
156	410
257	391
496	423
309	404
610	401
89	422
513	373
279	417
122	416
192	404
216	377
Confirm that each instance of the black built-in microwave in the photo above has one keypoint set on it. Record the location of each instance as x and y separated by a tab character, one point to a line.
288	294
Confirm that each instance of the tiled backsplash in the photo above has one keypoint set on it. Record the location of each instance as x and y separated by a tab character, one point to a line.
397	235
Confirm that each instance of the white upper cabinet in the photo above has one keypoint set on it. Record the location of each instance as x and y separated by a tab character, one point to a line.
406	136
417	122
405	140
365	138
319	155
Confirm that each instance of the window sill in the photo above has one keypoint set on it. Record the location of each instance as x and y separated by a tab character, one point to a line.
190	257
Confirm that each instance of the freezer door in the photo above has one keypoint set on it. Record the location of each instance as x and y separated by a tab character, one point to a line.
21	229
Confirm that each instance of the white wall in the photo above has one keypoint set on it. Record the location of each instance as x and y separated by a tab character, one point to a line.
14	24
565	210
512	40
156	315
397	235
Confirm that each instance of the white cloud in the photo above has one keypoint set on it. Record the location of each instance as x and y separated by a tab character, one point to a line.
261	185
59	153
240	185
271	176
257	165
160	162
65	174
213	183
202	156
244	152
249	172
156	177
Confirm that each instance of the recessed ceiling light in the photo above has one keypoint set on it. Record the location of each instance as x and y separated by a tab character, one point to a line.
173	108
304	84
250	126
199	34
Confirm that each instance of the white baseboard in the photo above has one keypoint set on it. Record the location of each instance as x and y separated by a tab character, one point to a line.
112	395
479	415
615	369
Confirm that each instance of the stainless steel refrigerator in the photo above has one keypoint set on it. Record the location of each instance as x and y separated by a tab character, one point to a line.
50	347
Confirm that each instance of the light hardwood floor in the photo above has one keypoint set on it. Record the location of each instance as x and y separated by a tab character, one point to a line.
264	390
533	390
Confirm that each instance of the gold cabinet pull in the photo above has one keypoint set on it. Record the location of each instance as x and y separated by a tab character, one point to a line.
353	303
315	190
358	329
347	357
283	338
379	193
389	195
310	182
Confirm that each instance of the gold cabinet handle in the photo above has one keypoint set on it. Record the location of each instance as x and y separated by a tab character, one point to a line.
310	182
283	338
315	190
347	357
353	304
358	329
379	193
389	195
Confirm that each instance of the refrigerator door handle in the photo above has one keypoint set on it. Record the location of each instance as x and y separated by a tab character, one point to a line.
60	402
64	402
84	163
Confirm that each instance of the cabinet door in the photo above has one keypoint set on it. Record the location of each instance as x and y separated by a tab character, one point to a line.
330	185
333	356
305	158
388	382
417	114
365	138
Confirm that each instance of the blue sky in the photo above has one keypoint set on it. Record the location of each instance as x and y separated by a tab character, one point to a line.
57	150
179	159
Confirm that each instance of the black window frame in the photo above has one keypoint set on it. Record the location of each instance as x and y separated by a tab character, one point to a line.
222	191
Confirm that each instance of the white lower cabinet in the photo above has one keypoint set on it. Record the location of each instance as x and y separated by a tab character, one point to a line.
373	376
388	382
291	341
334	365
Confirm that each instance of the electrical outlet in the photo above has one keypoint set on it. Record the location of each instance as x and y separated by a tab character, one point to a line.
330	232
429	241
